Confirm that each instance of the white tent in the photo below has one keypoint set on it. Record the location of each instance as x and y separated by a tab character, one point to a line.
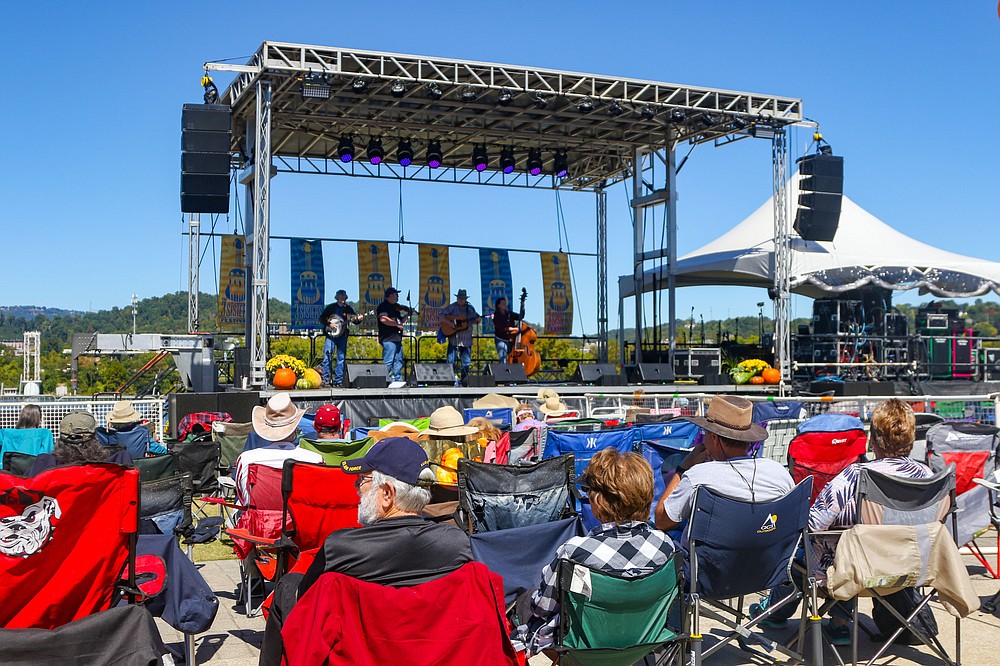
865	251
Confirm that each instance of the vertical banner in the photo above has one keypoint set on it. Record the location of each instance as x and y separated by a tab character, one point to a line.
374	275
435	284
558	294
308	284
494	274
232	285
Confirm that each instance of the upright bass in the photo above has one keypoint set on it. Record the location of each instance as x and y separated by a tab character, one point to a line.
523	351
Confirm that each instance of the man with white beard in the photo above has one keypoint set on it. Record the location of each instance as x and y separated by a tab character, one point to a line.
395	545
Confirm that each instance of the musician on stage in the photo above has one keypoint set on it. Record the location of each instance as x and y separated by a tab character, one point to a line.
504	328
390	333
335	319
460	316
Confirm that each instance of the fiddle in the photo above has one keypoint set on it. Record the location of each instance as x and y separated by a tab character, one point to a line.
523	350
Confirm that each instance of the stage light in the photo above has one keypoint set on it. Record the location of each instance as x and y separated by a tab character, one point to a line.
469	94
434	156
560	164
434	91
709	119
762	130
647	112
739	122
345	150
404	152
315	86
534	161
615	108
539	101
585	105
677	115
397	89
375	152
506	160
480	159
359	84
505	98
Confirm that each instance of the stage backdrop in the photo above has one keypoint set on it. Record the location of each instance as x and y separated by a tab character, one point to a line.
494	273
232	285
374	275
307	282
558	294
435	284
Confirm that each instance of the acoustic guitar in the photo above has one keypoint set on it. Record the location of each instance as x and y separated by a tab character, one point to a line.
452	325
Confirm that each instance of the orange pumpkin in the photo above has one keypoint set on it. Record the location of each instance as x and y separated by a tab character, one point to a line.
284	378
447	473
771	375
756	379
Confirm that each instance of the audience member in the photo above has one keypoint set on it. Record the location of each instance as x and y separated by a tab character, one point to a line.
78	443
489	441
329	442
124	418
30	417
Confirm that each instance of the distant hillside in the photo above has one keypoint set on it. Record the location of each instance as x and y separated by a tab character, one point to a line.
32	311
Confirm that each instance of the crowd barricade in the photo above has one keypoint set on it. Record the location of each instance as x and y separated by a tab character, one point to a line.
152	410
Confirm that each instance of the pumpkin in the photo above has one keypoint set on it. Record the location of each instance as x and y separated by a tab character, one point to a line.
314	377
303	384
284	378
447	473
771	375
756	379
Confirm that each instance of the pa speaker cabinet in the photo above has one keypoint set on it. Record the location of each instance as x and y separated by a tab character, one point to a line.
365	375
180	405
206	139
651	373
939	357
504	373
598	374
433	374
991	365
480	381
239	404
961	352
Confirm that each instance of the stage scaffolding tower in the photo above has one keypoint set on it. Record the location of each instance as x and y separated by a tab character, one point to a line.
194	260
258	183
782	260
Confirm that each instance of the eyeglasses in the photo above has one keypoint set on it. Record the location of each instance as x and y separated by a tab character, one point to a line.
362	480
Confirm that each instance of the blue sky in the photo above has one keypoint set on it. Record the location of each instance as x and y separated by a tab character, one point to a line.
907	92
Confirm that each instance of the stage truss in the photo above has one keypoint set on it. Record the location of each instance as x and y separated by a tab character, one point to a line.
612	129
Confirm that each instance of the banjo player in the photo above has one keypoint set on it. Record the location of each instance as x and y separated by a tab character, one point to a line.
335	321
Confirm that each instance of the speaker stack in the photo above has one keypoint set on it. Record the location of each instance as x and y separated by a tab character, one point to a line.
821	188
206	137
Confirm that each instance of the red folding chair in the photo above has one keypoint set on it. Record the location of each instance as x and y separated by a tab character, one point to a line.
825	445
317	500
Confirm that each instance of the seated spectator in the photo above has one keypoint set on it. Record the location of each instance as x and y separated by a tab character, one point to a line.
124	418
721	463
448	430
488	439
620	488
277	424
395	545
28	435
329	441
30	417
78	443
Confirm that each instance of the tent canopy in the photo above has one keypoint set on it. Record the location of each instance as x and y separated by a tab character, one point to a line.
866	251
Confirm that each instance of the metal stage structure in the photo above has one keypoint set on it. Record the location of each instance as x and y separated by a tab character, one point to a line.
293	103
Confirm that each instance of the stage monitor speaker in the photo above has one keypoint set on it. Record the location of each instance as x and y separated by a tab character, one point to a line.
991	365
480	381
821	188
598	374
503	373
365	375
651	373
433	374
206	139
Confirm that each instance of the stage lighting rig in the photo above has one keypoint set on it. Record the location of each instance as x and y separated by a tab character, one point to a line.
469	94
315	86
434	155
375	151
762	130
397	89
539	101
404	152
480	158
345	149
615	108
359	84
507	161
585	105
434	91
739	122
709	119
506	97
560	163
534	161
648	112
677	115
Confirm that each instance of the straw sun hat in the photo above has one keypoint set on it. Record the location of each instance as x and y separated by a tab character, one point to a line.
553	406
730	417
448	422
124	412
278	419
495	401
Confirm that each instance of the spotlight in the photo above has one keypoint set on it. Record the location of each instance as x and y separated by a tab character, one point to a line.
359	84
346	148
615	108
539	101
506	160
585	105
375	152
560	163
398	89
739	122
709	119
434	91
479	157
534	161
404	152
677	116
762	130
315	86
647	112
469	94
434	156
505	98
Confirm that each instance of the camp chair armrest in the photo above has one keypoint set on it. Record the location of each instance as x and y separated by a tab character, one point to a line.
220	501
990	485
256	540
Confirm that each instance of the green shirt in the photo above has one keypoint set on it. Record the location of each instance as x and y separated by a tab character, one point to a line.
335	451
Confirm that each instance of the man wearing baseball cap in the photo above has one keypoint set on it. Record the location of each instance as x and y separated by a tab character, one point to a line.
390	333
394	546
329	442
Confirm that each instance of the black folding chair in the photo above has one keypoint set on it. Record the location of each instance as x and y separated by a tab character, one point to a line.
17	463
156	467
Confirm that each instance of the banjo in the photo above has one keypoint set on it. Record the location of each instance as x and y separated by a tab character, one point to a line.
336	325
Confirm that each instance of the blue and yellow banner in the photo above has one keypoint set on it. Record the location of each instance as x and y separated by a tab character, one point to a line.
374	275
308	284
558	293
232	285
494	274
435	284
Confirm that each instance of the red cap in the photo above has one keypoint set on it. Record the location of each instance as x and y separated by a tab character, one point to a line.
327	416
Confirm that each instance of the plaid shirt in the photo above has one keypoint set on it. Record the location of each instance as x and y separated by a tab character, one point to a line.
629	549
199	422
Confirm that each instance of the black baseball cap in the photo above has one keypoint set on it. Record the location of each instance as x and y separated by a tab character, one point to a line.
398	457
391	290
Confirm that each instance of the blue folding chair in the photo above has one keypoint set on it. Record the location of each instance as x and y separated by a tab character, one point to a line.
583	446
736	548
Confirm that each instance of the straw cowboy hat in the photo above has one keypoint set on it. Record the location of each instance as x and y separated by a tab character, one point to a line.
546	393
732	417
395	429
554	406
124	412
448	422
278	419
495	401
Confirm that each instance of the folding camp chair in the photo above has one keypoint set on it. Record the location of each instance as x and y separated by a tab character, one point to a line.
607	618
824	446
993	489
31	441
135	441
199	457
232	439
316	500
524	446
736	548
17	463
156	467
972	448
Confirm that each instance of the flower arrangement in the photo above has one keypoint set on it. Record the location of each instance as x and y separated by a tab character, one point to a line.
746	370
275	363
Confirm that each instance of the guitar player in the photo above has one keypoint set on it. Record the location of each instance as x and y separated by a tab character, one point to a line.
336	338
459	318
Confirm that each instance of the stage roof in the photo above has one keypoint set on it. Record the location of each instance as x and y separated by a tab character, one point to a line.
388	95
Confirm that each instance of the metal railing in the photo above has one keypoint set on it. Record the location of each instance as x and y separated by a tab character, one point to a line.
152	409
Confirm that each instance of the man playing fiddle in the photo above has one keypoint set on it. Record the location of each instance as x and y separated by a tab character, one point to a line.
335	319
504	328
390	333
460	316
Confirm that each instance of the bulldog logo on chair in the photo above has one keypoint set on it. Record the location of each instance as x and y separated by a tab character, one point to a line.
26	533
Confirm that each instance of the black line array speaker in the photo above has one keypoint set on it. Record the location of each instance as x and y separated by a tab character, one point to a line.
504	373
598	374
433	374
651	373
821	189
365	375
206	135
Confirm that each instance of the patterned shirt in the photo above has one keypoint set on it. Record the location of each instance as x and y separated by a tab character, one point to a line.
464	337
630	549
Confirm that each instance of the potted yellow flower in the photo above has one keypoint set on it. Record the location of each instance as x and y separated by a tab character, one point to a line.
284	371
